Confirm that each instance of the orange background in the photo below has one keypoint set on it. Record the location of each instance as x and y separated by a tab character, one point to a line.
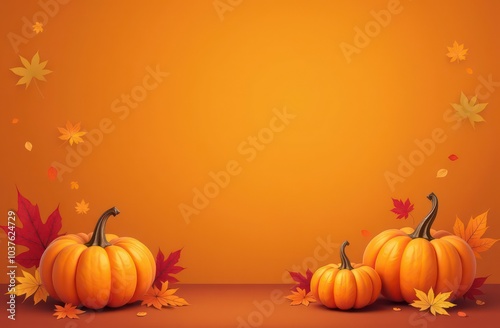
322	176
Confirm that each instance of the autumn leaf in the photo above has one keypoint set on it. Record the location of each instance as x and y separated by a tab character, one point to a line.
166	268
469	109
162	297
33	234
68	310
74	185
476	227
82	207
441	173
402	209
453	157
436	304
38	27
474	289
72	133
300	297
457	52
28	146
52	173
29	285
35	69
304	282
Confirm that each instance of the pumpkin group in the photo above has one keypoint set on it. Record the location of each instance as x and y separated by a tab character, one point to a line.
408	259
346	285
97	269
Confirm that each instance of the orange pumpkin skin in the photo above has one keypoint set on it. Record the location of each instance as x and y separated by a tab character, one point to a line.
408	259
106	270
345	286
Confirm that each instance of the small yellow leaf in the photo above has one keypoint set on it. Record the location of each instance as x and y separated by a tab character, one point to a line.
436	304
38	27
31	285
74	185
441	173
82	207
457	52
141	314
72	133
35	69
28	146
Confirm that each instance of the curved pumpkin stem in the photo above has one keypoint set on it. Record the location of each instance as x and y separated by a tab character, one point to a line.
345	264
99	236
424	228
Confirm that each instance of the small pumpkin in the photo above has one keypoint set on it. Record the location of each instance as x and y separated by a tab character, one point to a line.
346	285
408	259
97	269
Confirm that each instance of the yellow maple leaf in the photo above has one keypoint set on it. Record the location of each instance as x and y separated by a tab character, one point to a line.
35	69
457	52
29	285
68	310
436	304
38	27
72	133
82	207
162	297
74	185
473	233
469	109
300	297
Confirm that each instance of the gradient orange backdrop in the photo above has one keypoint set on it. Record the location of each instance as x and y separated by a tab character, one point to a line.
320	177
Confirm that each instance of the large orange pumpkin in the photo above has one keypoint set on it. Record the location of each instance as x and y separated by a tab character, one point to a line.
346	285
97	269
408	259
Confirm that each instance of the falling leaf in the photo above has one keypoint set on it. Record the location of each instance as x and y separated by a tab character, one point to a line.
397	309
436	304
72	133
453	157
441	173
469	109
402	209
29	285
366	233
469	70
28	146
162	297
166	268
52	173
461	314
141	314
82	207
476	227
474	289
479	302
35	69
15	120
301	297
457	52
38	27
68	310
34	234
304	282
74	185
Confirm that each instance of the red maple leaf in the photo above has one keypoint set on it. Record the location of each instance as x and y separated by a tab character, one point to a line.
303	282
474	289
402	209
34	234
165	268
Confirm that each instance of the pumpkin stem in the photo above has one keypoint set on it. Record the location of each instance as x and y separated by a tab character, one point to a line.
345	264
424	228
99	236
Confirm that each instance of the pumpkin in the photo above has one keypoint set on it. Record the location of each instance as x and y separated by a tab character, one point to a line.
408	259
97	269
346	285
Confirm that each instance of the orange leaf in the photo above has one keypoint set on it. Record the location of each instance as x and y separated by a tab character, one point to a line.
397	309
300	297
68	310
472	234
461	314
52	173
162	297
